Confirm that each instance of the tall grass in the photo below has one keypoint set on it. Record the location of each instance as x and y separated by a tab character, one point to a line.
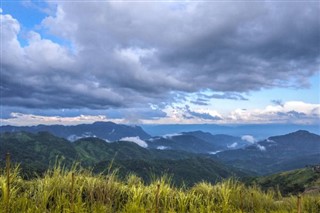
77	190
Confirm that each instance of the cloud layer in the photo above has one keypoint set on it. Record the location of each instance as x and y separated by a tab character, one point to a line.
141	56
289	112
294	112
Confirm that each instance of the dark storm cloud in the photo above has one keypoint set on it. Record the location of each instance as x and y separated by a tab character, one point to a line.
127	55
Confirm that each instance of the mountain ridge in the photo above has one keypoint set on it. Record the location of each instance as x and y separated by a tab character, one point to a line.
275	153
36	152
104	130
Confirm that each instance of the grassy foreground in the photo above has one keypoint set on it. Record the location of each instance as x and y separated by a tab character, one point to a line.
76	190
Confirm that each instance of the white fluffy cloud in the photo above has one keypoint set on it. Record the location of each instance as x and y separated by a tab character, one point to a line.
261	148
234	145
162	147
136	140
44	53
289	112
169	136
18	119
248	138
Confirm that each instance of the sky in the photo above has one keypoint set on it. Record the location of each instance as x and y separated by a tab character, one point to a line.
160	62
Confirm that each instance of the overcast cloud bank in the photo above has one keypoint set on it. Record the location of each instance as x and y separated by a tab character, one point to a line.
121	56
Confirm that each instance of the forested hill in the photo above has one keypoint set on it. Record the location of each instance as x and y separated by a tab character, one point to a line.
36	152
276	154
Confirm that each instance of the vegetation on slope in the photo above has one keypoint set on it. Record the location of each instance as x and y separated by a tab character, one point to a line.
182	172
276	154
35	153
292	182
60	190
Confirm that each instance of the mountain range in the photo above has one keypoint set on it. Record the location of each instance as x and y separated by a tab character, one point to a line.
259	131
188	156
36	152
196	142
105	130
276	154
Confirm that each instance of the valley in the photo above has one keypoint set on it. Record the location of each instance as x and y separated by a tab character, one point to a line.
187	157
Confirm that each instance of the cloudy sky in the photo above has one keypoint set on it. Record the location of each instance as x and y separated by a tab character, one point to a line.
224	62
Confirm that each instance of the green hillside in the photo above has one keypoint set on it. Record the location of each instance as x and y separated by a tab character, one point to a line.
37	152
93	150
292	182
183	171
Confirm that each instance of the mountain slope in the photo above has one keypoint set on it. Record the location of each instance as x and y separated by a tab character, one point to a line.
94	150
221	141
279	153
35	151
187	143
196	142
292	182
184	171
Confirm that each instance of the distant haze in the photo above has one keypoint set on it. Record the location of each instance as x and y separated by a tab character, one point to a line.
258	131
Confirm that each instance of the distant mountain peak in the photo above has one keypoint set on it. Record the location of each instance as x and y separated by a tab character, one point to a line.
296	135
103	123
197	131
299	132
